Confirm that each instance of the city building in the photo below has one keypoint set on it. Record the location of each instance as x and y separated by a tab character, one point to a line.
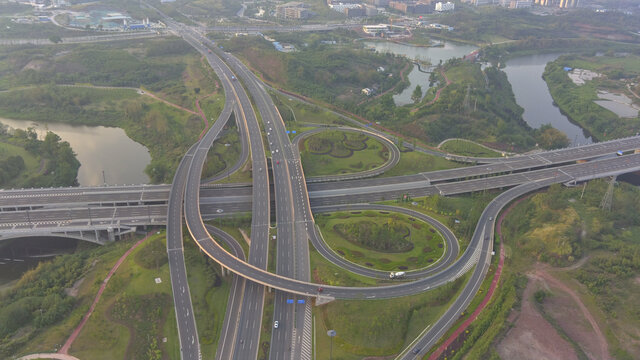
558	3
375	30
448	6
293	10
356	11
480	2
412	7
516	4
379	3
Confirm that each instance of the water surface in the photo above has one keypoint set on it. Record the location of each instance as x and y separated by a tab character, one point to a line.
98	149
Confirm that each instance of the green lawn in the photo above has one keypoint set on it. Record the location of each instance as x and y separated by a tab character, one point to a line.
427	249
325	272
336	152
390	324
412	162
468	148
31	162
104	337
304	113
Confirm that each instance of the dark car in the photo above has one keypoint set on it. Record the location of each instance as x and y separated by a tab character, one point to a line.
416	350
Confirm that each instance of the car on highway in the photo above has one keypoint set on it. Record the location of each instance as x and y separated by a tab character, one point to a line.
277	161
416	351
233	77
219	211
320	289
275	324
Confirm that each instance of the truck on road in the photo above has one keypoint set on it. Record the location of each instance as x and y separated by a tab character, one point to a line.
397	275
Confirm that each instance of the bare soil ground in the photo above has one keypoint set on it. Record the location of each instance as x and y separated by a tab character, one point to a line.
532	337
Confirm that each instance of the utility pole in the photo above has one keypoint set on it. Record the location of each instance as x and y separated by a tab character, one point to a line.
607	199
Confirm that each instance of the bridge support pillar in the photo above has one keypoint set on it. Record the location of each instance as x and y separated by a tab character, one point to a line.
269	288
111	234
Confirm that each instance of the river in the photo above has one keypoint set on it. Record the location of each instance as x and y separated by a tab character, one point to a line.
432	55
531	92
98	149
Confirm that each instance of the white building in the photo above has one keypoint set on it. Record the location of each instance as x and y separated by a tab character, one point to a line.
448	6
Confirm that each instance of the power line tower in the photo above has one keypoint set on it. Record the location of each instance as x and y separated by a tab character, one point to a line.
466	104
607	199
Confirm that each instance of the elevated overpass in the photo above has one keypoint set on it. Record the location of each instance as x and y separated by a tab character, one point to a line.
132	195
217	202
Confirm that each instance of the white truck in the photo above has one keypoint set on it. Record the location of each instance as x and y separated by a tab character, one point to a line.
397	275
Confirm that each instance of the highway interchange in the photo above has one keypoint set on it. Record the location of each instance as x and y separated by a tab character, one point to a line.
26	212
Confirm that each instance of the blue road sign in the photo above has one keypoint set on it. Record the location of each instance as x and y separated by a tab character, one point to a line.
300	301
289	301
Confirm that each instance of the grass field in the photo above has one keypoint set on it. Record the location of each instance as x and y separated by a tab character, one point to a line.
221	157
106	336
303	113
412	162
336	152
468	148
325	272
31	162
428	245
390	324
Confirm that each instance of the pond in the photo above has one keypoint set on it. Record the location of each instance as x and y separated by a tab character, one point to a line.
433	55
106	154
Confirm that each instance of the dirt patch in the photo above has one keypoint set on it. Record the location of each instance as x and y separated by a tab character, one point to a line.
532	337
563	309
245	237
35	65
637	280
73	291
588	336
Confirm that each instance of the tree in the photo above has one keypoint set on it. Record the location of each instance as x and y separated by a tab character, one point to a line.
417	94
55	39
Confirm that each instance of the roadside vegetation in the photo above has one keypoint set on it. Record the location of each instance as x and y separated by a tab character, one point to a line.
224	152
391	324
618	72
468	148
562	227
26	161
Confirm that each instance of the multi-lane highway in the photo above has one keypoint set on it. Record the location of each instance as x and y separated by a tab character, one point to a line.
156	194
26	212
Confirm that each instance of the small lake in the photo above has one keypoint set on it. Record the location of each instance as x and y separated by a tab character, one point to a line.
531	92
433	55
98	149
